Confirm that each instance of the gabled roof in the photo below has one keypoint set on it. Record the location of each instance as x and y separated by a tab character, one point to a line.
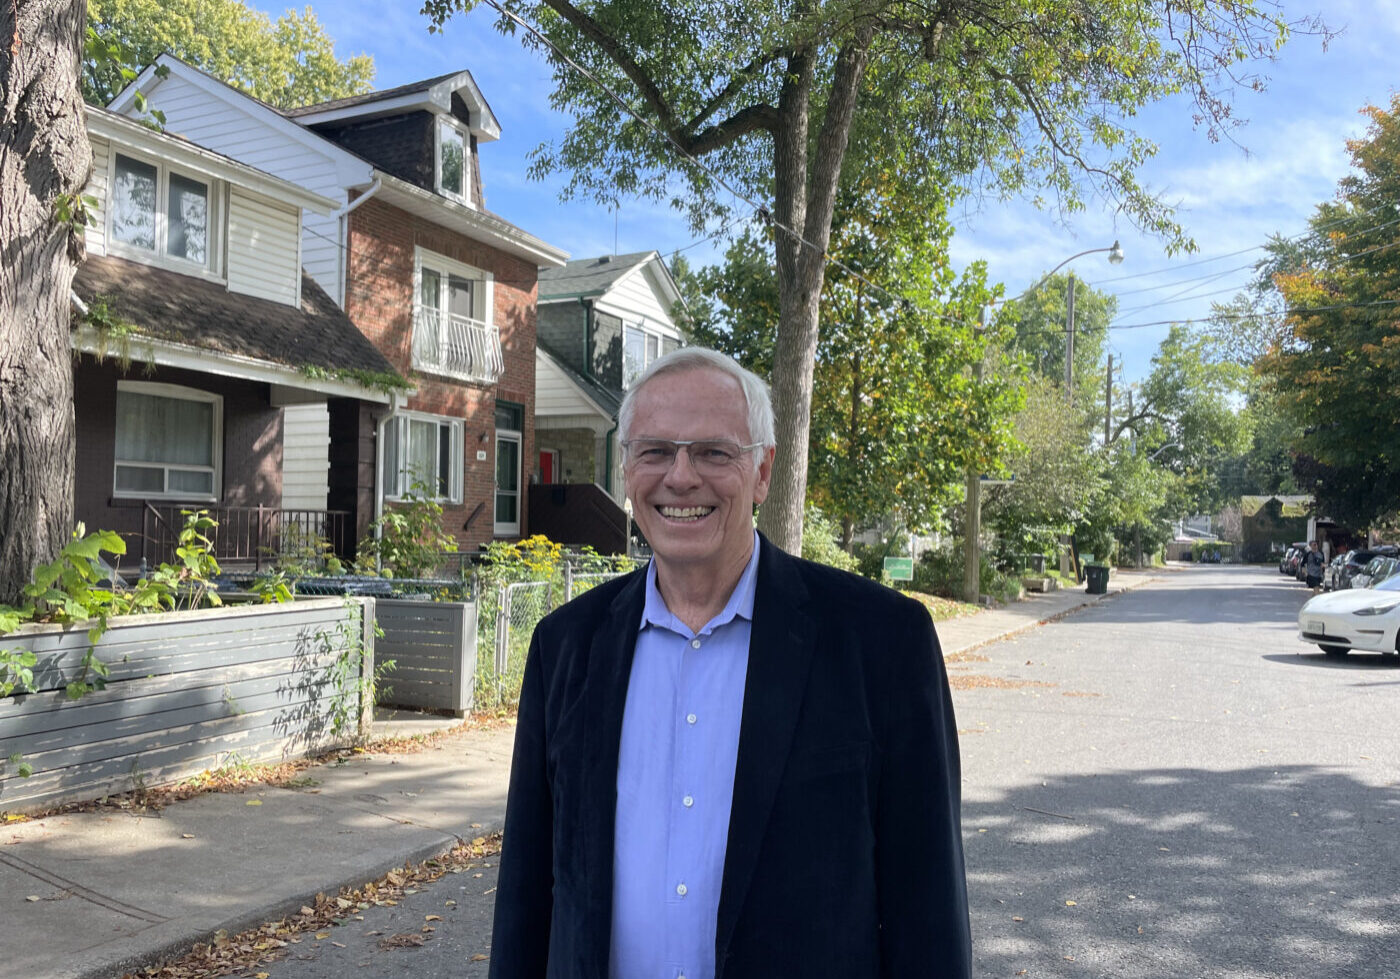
316	338
605	399
586	277
429	95
193	156
1290	505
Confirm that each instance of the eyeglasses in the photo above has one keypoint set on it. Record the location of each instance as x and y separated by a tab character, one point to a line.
706	455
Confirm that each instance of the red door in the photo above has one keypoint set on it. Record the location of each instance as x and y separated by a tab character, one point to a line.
549	462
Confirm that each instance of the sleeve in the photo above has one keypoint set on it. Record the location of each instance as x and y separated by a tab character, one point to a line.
920	878
524	888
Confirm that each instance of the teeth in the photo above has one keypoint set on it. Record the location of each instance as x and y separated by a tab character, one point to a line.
684	513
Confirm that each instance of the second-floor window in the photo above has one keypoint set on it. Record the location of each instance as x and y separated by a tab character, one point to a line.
452	330
452	154
639	348
157	210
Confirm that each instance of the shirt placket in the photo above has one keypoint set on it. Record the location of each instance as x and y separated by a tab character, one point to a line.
684	842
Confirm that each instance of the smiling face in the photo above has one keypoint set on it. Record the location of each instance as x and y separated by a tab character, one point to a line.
697	523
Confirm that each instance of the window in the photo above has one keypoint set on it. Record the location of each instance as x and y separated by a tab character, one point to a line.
509	421
452	331
168	442
423	453
639	348
156	210
452	178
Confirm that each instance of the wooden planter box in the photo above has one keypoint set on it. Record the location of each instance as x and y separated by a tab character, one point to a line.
433	648
188	691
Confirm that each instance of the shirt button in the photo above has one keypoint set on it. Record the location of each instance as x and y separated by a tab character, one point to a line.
680	889
695	644
690	718
688	801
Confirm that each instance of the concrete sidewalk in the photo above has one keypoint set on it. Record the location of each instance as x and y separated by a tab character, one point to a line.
98	894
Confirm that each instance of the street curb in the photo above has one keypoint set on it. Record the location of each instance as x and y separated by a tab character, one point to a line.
273	910
1054	617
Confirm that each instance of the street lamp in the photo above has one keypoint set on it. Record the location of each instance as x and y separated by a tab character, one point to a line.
972	551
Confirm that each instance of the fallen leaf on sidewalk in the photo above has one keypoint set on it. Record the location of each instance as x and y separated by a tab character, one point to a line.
402	940
478	957
253	802
432	917
323	934
1071	904
186	836
33	897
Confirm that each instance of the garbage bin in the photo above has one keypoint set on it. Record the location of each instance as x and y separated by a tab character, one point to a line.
1097	577
1038	563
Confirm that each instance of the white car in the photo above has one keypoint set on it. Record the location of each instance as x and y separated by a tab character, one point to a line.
1355	618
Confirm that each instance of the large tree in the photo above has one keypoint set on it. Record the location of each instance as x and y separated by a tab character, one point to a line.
768	94
1336	372
897	417
286	62
44	163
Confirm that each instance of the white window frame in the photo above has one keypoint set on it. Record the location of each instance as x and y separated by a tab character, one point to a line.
499	528
444	266
398	485
448	122
647	359
182	393
214	195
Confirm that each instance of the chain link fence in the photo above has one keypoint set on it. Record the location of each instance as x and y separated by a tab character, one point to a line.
506	619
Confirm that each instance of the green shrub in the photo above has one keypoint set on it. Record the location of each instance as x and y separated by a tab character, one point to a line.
819	535
408	539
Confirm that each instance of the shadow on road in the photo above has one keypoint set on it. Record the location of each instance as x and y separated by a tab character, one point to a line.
1247	874
1351	661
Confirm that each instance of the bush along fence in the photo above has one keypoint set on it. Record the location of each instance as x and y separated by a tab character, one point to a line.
184	692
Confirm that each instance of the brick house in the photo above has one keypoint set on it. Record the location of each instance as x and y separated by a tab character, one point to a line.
195	330
443	288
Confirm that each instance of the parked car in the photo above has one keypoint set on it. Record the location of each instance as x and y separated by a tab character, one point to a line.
1377	570
1356	618
1355	560
1332	574
1289	562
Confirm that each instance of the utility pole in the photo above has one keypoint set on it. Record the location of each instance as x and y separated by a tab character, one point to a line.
1108	404
972	545
1069	341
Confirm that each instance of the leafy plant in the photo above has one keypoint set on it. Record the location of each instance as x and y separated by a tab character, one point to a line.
408	538
16	671
819	540
351	683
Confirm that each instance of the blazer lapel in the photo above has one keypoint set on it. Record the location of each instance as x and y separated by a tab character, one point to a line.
605	696
780	656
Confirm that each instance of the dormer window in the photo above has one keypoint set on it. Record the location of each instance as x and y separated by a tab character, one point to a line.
452	154
160	212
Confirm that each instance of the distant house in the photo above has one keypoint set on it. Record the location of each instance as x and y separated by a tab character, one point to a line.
601	321
443	288
196	331
1271	522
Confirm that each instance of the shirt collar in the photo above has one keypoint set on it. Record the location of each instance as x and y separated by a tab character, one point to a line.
740	604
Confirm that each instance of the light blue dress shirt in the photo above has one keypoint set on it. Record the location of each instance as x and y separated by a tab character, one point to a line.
675	784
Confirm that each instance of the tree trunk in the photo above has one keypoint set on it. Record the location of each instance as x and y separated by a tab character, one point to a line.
44	153
804	200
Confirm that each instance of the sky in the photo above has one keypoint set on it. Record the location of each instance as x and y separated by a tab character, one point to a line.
1229	195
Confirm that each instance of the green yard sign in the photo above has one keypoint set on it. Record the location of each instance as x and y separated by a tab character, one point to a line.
900	568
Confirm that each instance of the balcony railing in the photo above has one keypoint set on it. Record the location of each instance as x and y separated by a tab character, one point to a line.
456	346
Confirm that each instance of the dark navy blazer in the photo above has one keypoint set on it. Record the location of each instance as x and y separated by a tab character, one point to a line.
845	847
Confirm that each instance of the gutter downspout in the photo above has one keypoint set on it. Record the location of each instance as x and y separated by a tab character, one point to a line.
342	219
379	426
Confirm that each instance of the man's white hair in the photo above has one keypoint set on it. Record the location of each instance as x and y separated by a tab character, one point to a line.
760	406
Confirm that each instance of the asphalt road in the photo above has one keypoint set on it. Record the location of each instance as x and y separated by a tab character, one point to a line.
1168	784
1193	792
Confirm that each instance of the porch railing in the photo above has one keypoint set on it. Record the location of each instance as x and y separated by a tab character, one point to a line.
457	346
256	535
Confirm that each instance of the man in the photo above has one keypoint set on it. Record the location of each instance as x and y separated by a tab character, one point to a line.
1313	564
732	763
